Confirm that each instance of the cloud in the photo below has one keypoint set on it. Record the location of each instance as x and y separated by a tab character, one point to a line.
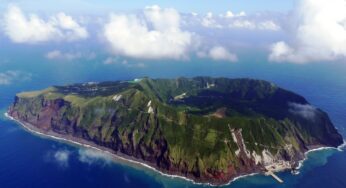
218	53
62	157
56	54
246	24
111	60
21	28
280	52
230	20
155	35
124	62
304	110
210	22
69	56
319	33
73	31
268	25
11	76
230	14
115	60
91	156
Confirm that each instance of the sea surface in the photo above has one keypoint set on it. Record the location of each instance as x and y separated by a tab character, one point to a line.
28	160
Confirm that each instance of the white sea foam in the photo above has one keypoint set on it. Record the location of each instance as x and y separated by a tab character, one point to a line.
106	152
342	146
301	162
153	168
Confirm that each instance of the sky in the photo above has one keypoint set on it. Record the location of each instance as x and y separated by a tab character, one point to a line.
134	34
181	5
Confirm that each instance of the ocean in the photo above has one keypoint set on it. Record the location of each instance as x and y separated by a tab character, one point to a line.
28	160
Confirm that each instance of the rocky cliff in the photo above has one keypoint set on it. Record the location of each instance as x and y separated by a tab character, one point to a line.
207	129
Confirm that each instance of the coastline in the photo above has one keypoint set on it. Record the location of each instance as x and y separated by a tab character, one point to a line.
300	163
115	156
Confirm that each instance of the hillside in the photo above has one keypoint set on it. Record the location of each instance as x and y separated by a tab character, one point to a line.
207	129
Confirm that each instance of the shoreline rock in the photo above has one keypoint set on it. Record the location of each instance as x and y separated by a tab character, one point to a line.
146	125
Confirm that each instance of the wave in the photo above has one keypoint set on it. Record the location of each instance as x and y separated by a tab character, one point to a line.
109	153
342	146
339	148
300	165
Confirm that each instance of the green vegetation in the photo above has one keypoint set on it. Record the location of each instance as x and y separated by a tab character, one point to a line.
146	120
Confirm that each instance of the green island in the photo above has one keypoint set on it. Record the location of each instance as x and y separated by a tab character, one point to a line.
210	130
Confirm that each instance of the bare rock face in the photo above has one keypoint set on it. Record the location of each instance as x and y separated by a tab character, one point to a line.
207	129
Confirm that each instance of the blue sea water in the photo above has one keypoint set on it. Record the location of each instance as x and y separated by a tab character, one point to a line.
28	160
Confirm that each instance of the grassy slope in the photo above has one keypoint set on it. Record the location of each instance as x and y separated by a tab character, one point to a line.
192	135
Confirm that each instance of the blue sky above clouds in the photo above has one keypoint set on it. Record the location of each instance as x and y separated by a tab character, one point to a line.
199	6
301	31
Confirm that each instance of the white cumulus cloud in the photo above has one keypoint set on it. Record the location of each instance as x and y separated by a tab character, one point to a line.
319	33
157	35
230	20
280	52
230	14
268	25
210	22
219	53
21	28
246	24
304	110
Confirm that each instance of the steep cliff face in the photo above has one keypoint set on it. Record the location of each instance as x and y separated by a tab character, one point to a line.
208	129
